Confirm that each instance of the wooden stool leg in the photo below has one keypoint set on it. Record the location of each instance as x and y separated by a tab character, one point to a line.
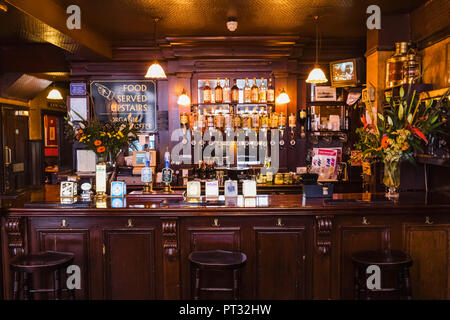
26	286
235	284
57	285
197	284
356	287
406	284
16	285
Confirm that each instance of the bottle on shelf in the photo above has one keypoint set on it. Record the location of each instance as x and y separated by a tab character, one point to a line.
264	119
255	120
193	119
254	92
218	92
228	119
270	92
235	93
201	121
273	120
227	91
210	118
262	92
184	121
207	93
247	92
245	119
237	123
219	120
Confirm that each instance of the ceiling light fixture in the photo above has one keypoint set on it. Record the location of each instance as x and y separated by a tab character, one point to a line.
54	94
183	99
155	71
283	98
317	75
232	24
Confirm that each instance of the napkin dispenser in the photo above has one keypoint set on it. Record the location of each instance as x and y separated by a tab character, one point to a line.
318	190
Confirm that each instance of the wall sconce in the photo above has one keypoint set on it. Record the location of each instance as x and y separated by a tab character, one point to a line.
283	98
183	99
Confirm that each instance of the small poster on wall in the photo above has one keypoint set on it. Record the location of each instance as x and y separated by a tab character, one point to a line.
324	93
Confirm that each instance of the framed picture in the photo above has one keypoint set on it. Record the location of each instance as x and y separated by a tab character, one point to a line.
50	129
139	158
80	105
231	188
324	93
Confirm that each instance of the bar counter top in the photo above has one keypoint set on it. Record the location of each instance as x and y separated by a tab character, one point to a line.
46	201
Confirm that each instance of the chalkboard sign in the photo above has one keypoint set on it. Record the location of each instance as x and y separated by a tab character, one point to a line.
119	100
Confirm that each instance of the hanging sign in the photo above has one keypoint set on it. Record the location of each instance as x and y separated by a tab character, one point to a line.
126	99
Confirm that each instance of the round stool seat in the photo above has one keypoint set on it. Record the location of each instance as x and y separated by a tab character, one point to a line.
41	261
382	257
217	258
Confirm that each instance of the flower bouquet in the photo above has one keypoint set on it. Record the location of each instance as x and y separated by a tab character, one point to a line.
104	138
398	133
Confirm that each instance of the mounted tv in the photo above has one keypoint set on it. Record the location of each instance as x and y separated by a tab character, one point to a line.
346	73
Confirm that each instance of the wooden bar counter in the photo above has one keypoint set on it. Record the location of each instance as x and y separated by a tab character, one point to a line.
297	248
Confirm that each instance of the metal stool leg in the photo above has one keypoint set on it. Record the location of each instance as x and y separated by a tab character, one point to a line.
57	285
236	284
197	284
16	285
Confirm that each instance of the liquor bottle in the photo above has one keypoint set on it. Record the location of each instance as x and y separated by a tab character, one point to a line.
246	119
207	93
237	123
210	119
254	92
292	121
255	120
193	120
264	119
218	93
247	92
274	120
302	114
184	120
167	158
201	121
219	120
227	92
270	92
282	121
235	93
262	92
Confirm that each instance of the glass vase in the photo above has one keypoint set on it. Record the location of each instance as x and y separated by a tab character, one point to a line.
391	178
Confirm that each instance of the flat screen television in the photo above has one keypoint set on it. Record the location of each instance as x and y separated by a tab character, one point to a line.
346	73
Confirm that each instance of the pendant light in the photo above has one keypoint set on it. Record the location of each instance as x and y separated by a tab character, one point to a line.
54	94
155	71
317	75
183	99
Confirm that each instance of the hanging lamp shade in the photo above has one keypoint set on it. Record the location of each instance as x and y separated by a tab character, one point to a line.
155	71
183	99
317	76
283	98
54	94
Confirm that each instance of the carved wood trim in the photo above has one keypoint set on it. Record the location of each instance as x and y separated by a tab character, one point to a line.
322	234
169	236
14	231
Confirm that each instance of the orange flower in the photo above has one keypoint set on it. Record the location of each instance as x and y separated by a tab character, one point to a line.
100	149
405	146
384	141
97	143
80	131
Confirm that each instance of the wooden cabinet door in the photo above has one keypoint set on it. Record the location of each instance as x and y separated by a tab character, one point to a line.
64	235
429	247
129	263
357	234
280	262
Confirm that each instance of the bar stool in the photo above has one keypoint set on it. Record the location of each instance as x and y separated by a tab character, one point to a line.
28	264
217	260
388	260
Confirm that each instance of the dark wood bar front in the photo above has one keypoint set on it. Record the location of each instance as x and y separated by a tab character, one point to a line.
296	248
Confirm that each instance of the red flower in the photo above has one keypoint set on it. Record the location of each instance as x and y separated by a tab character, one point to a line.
97	143
101	149
384	141
419	133
363	120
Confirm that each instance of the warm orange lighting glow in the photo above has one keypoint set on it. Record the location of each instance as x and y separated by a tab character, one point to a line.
283	98
155	71
317	76
183	99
